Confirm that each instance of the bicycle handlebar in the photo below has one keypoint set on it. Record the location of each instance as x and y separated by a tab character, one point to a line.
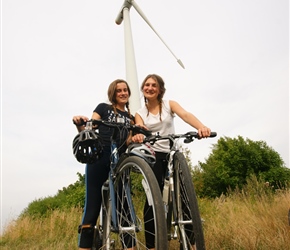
188	137
131	127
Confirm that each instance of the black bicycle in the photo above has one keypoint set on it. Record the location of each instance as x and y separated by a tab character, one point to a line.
121	223
184	223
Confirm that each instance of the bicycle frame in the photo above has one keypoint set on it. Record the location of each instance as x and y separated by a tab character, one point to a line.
113	164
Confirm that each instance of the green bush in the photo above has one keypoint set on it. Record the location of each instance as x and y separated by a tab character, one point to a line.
233	161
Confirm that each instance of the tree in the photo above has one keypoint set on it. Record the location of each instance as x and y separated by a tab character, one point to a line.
233	160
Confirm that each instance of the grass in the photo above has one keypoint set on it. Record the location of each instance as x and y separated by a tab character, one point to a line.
56	231
243	220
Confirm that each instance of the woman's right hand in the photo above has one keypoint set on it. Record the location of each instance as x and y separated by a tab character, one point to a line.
138	138
79	121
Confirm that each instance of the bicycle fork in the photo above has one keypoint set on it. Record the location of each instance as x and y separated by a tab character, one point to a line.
173	206
170	200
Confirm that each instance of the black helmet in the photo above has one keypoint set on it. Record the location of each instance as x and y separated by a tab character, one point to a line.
87	146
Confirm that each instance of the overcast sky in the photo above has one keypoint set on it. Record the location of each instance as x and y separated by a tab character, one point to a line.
59	56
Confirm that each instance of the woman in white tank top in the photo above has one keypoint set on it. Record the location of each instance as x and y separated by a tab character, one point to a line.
157	115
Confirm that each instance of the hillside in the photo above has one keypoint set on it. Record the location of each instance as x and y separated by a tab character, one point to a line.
245	220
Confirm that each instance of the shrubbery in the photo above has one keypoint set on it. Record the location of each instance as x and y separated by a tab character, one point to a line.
233	161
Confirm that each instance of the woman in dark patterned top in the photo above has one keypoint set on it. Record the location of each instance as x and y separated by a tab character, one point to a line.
97	172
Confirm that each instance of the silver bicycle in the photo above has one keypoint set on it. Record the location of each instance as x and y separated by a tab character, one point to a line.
184	224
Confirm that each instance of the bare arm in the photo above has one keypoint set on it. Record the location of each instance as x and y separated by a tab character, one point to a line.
139	122
190	119
96	116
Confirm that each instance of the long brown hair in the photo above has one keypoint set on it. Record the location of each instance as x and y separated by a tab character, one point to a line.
162	90
112	96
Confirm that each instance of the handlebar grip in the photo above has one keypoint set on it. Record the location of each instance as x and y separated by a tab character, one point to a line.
81	124
142	130
147	133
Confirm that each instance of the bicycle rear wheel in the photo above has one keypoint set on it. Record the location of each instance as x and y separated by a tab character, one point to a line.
134	184
188	219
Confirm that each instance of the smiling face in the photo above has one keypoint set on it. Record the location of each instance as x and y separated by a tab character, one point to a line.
119	93
153	88
122	94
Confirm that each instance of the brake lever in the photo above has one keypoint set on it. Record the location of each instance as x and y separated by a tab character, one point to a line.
89	125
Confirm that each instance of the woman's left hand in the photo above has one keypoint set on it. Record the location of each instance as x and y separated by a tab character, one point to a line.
204	132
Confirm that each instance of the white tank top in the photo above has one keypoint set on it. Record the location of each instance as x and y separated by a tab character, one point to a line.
164	127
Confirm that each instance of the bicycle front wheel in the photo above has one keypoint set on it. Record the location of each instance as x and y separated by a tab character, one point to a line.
188	219
139	210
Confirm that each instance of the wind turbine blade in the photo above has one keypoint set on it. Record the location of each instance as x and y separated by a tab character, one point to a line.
180	63
137	8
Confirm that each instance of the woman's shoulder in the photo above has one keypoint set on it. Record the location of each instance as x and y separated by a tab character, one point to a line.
101	107
142	110
172	102
170	106
167	103
104	105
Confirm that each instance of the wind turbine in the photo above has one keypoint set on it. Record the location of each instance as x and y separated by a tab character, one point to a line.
131	70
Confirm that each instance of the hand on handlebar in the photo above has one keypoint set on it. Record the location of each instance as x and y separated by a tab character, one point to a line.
80	120
139	138
204	132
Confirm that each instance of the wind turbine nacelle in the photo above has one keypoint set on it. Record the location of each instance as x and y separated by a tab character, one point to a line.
127	4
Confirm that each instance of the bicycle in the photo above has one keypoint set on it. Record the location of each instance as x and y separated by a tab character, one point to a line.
130	181
181	206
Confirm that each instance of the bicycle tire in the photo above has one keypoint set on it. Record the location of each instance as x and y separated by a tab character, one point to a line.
130	174
189	234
